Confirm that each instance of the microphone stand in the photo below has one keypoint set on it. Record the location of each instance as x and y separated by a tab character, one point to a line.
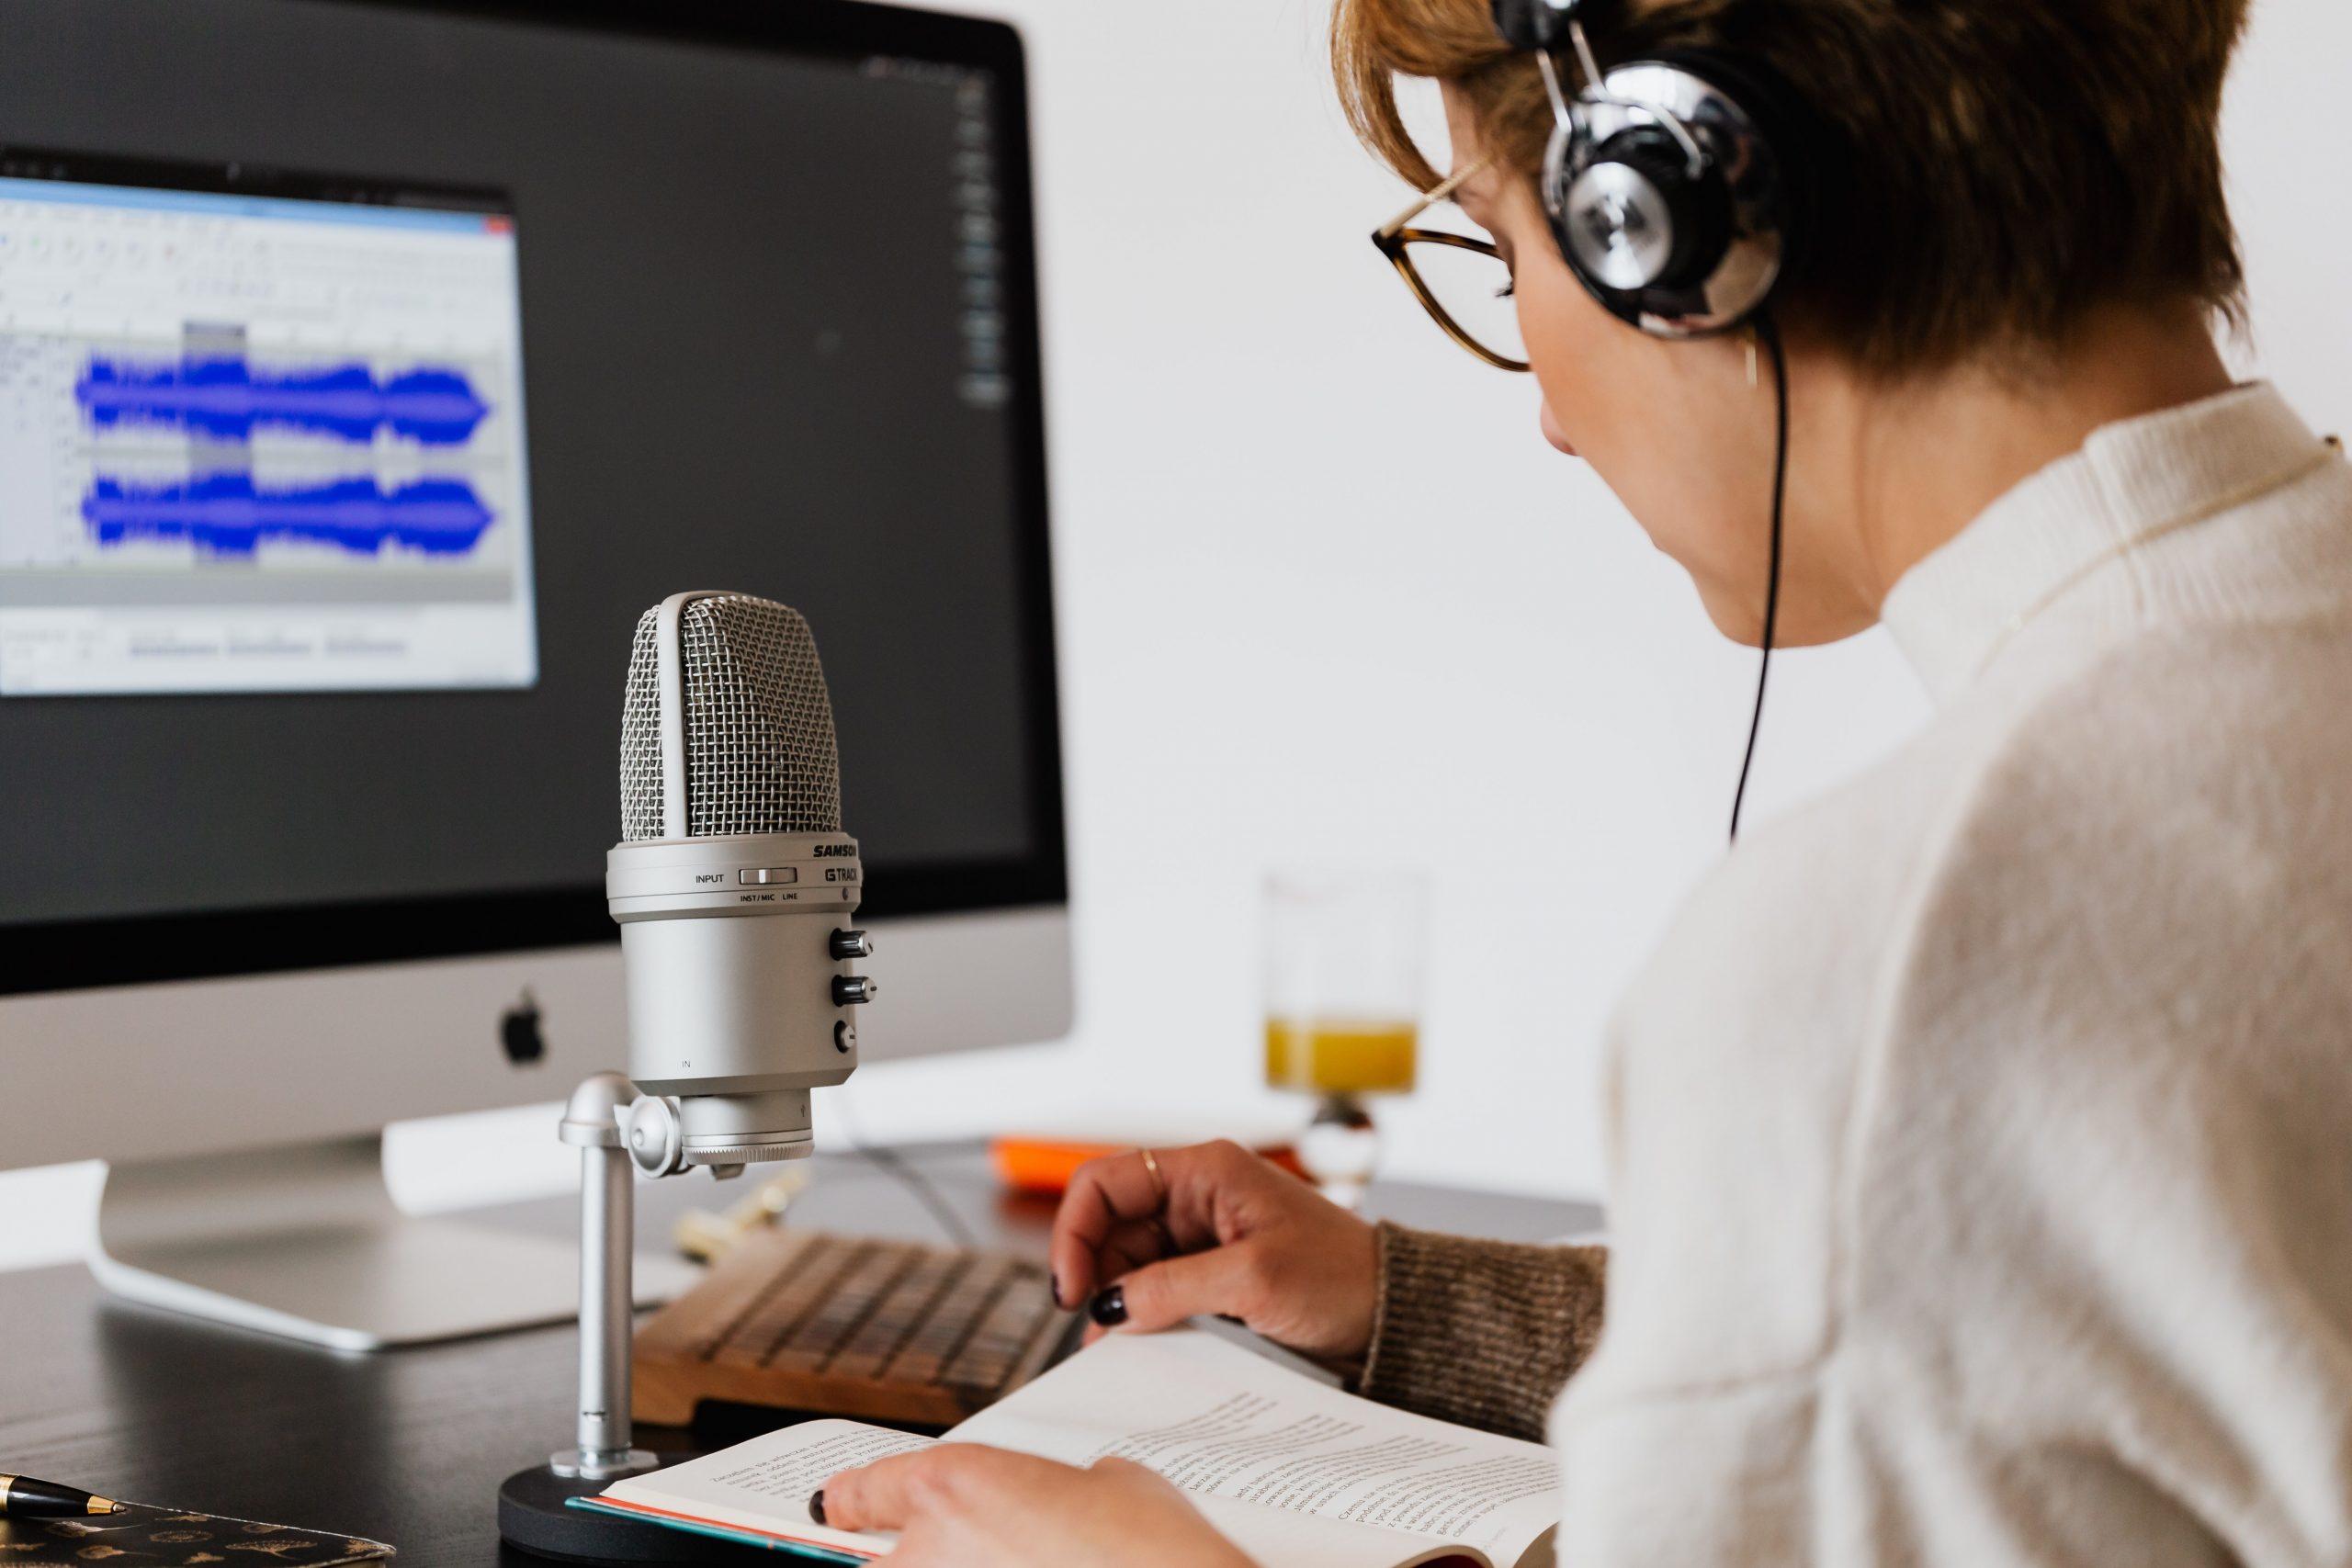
533	1511
607	1247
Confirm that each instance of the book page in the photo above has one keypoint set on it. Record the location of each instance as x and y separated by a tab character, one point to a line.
1292	1472
763	1485
1245	1437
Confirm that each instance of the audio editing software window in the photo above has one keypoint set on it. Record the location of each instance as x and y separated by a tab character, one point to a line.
257	443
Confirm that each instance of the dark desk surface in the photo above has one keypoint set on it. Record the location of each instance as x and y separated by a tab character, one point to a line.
409	1446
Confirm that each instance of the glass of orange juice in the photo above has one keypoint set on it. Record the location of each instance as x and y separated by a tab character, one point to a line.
1345	954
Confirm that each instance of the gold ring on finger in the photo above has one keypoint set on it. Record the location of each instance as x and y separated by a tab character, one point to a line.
1159	1182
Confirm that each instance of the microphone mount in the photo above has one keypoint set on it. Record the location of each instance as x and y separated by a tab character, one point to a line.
534	1505
620	1135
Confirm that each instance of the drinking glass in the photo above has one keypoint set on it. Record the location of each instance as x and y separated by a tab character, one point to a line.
1345	954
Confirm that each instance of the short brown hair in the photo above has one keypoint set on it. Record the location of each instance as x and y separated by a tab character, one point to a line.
2002	165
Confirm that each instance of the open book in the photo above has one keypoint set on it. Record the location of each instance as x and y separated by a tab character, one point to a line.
1295	1474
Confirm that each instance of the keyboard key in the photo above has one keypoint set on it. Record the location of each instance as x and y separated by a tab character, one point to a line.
847	1325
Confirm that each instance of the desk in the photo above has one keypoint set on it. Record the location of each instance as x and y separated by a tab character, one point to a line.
408	1446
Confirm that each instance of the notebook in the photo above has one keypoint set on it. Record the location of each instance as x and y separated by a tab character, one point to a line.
144	1537
1291	1470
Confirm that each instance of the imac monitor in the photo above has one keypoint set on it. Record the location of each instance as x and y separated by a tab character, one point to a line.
366	369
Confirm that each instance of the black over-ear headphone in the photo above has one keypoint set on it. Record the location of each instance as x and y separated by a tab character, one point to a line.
1678	189
1666	181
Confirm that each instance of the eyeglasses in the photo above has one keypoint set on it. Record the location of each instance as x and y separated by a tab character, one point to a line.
1463	282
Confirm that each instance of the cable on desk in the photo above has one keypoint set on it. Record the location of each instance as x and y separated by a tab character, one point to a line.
920	1186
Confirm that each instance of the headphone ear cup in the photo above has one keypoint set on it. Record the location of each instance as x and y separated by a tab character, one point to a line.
1677	253
1635	217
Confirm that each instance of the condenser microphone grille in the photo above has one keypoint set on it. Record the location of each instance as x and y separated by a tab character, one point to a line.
760	748
759	726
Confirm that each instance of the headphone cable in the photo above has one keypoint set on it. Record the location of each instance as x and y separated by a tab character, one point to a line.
1767	329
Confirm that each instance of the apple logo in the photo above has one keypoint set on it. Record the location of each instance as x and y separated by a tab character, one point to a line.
518	1031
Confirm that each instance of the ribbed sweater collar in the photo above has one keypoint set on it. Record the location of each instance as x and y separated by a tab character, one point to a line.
1949	612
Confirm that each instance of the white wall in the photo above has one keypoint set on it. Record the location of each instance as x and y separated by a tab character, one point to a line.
1327	597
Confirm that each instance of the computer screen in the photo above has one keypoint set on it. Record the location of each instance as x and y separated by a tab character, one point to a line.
258	444
367	370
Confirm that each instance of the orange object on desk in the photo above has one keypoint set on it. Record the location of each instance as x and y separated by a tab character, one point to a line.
1043	1166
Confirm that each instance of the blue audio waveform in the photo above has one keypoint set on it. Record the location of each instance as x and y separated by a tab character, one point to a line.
224	397
226	515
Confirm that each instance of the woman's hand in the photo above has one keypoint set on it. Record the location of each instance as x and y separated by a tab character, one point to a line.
1237	1236
961	1505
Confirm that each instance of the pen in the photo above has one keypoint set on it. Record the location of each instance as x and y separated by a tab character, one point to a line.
22	1497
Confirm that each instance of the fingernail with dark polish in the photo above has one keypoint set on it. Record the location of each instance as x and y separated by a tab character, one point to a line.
1109	1306
817	1505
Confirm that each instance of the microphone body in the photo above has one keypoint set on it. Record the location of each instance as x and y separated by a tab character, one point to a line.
733	884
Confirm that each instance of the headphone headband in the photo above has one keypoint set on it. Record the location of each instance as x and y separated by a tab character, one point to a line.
1539	27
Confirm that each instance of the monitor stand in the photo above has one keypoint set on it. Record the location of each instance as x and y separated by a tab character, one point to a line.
305	1241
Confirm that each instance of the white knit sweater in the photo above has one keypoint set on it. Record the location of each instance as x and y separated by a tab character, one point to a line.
1982	1133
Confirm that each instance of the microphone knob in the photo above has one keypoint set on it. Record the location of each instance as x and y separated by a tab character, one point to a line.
851	944
851	989
654	1136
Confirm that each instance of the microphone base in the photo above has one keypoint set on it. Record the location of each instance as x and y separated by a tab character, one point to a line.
534	1516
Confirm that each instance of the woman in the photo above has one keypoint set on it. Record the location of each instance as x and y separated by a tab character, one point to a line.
1982	1133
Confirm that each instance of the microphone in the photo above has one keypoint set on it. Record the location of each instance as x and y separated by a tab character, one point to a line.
733	885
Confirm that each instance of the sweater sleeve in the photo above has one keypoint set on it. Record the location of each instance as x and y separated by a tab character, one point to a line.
1483	1333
